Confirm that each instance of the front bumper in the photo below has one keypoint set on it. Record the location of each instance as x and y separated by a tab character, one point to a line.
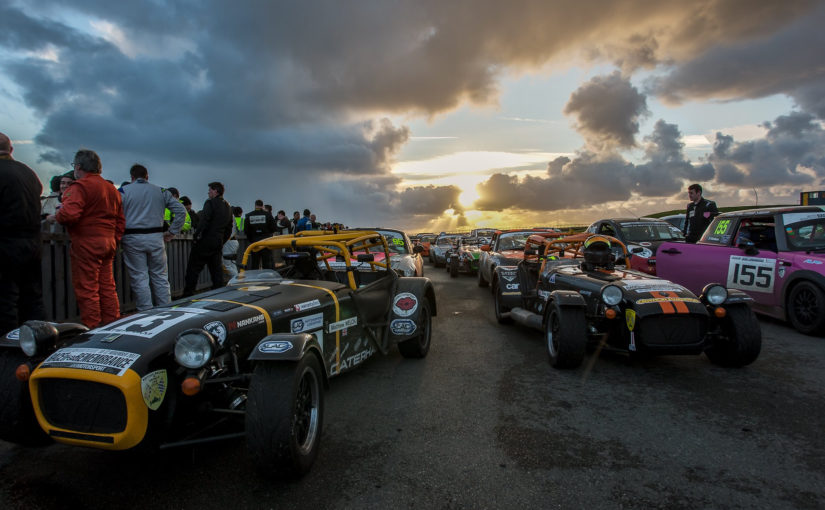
86	408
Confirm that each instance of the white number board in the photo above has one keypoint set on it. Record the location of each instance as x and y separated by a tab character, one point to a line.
754	274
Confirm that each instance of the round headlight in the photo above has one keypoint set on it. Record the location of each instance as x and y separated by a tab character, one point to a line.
716	294
612	295
28	341
193	348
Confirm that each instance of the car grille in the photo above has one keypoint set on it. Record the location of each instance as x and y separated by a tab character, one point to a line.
671	330
82	406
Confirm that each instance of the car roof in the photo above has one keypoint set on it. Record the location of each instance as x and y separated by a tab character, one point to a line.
629	219
773	210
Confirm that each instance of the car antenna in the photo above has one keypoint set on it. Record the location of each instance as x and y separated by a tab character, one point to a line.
633	214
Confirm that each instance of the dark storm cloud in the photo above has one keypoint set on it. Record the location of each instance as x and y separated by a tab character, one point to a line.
607	109
792	153
591	178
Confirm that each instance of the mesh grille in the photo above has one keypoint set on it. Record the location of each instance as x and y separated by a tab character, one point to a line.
672	330
83	406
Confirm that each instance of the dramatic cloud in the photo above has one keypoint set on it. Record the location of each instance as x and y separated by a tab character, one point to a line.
608	110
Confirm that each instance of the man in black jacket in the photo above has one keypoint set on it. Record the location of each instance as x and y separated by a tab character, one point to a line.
259	224
214	229
21	294
699	214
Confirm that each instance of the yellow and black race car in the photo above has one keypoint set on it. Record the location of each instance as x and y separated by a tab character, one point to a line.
252	358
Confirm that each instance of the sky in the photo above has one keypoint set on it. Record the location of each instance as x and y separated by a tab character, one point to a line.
427	115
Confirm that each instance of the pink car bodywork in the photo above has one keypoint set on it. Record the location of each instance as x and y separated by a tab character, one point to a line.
776	255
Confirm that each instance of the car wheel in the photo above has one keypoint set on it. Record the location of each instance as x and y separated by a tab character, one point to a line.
17	421
741	339
419	346
565	334
806	308
283	428
502	312
481	281
453	267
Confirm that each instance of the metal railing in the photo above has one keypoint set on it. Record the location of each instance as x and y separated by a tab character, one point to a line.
58	294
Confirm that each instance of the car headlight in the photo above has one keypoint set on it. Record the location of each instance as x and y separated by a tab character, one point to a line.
715	294
612	295
36	336
194	348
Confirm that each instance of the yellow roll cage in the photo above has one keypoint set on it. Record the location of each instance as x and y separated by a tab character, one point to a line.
328	245
568	247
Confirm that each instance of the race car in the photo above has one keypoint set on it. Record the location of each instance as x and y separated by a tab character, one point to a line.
405	258
507	248
569	289
251	359
439	248
463	257
423	239
642	236
775	255
485	235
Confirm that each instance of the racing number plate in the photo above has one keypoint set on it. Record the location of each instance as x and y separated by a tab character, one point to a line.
751	273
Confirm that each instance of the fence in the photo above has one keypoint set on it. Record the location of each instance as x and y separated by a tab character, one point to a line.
58	294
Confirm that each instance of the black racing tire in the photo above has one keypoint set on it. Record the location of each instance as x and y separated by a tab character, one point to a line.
17	421
453	267
284	416
419	346
481	281
502	312
741	339
565	336
805	308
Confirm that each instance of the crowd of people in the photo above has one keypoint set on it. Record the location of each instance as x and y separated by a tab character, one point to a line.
140	217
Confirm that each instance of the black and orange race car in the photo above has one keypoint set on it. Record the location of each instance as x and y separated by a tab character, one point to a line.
251	359
570	289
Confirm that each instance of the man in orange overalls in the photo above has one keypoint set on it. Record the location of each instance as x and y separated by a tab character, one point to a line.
93	214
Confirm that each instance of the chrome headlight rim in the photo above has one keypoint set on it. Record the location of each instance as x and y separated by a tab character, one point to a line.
612	295
194	348
715	294
28	341
37	336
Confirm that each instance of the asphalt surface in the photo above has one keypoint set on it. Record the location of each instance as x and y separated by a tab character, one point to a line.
485	422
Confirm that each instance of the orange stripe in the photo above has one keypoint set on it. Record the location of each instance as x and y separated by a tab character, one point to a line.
666	306
680	306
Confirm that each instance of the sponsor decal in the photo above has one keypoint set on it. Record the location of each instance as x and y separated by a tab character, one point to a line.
545	295
666	300
98	360
647	282
664	288
402	327
111	338
511	293
218	330
153	386
253	288
811	261
585	292
508	277
289	309
13	334
353	360
781	272
308	305
307	323
404	304
630	319
257	319
511	286
645	243
275	346
552	278
344	324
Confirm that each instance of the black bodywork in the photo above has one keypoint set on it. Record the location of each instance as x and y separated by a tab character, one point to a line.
122	386
554	290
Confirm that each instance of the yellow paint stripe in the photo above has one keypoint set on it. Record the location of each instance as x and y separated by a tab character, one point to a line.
258	308
337	318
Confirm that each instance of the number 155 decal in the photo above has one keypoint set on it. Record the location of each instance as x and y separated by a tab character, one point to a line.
751	273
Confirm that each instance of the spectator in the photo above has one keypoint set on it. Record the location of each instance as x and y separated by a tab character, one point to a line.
699	213
92	212
63	184
314	222
51	201
167	214
258	225
229	253
214	229
304	223
144	251
296	216
282	224
192	215
237	212
268	208
21	295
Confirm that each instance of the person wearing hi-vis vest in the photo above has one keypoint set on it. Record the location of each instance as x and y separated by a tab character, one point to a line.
144	248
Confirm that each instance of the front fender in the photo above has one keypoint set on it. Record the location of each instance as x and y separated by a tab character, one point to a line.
509	287
405	313
567	298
